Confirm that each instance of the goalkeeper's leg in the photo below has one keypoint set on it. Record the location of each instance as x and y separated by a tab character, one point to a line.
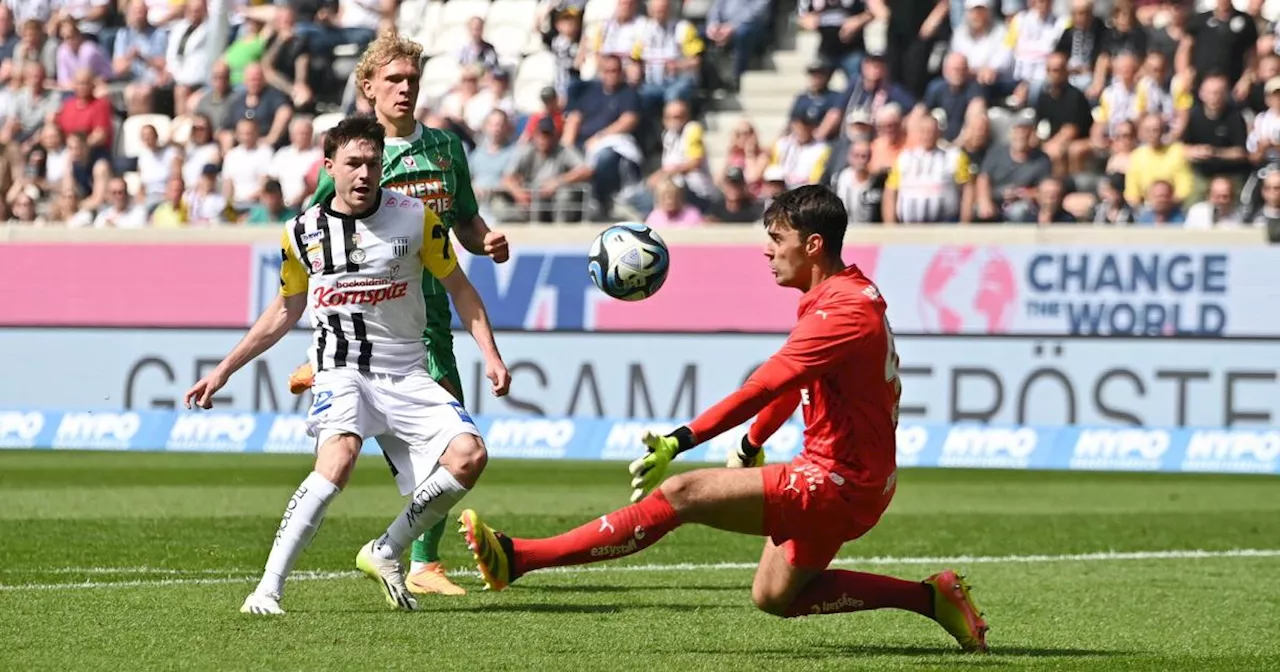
726	499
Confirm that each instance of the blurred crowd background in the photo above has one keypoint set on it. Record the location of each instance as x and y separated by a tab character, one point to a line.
172	113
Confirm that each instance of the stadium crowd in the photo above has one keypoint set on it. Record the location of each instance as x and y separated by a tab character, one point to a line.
1115	112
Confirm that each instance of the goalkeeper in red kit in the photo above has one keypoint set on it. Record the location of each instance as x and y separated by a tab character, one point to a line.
840	366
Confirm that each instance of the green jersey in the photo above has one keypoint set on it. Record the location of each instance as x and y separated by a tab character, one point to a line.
431	165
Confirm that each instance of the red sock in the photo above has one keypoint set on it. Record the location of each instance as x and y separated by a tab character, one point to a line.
623	532
837	591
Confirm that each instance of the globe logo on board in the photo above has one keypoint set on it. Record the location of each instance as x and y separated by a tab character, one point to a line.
967	289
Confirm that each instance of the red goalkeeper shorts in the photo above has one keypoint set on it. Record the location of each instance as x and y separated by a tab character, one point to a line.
811	512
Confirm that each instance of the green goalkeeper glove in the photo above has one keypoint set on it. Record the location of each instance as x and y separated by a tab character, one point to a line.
648	471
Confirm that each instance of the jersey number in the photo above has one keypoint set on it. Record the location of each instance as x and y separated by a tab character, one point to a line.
891	369
438	232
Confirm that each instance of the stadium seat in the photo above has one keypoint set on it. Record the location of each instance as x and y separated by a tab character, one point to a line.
411	16
536	72
511	41
324	122
695	10
450	41
1001	121
599	11
131	132
439	75
424	30
459	12
180	130
133	183
519	13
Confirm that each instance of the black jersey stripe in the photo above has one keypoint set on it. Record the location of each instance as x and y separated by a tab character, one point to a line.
322	342
362	336
349	242
340	343
326	242
299	228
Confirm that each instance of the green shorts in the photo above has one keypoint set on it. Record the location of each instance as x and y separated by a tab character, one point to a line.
443	366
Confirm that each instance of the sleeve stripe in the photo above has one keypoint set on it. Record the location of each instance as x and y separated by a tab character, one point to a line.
298	228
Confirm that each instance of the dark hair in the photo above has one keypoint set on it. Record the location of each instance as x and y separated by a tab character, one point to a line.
812	209
358	127
272	187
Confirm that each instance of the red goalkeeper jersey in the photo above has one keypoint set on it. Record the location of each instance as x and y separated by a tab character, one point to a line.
839	363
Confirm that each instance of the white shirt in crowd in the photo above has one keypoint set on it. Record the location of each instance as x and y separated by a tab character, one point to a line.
198	156
154	170
135	217
988	51
289	167
246	169
187	56
1202	216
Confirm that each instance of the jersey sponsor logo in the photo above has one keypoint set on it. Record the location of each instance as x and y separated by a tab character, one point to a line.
207	432
410	163
431	192
312	237
288	434
330	297
989	447
1120	449
19	430
97	431
1238	451
536	438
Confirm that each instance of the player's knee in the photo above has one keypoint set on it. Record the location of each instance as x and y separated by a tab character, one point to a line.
336	458
465	458
770	600
680	491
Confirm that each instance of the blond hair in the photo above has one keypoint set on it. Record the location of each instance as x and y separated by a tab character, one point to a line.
387	48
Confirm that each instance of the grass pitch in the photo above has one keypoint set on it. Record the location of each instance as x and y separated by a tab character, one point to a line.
119	561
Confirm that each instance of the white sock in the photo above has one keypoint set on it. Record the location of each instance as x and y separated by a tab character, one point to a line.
301	519
431	501
416	566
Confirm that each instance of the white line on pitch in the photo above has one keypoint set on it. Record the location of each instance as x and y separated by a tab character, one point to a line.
247	576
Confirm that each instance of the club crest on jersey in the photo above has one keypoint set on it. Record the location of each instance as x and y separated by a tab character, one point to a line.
410	163
400	246
357	256
442	161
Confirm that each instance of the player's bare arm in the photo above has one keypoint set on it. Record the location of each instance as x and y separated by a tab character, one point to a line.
477	238
472	313
270	327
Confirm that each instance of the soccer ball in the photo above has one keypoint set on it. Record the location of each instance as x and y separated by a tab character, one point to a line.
629	261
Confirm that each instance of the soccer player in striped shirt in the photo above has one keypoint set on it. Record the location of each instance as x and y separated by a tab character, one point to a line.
839	365
357	261
431	165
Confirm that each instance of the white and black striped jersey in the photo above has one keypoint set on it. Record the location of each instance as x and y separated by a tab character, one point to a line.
363	278
928	183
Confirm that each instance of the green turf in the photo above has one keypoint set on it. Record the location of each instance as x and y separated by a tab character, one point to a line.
182	535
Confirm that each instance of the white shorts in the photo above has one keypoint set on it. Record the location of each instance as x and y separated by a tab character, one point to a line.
412	417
